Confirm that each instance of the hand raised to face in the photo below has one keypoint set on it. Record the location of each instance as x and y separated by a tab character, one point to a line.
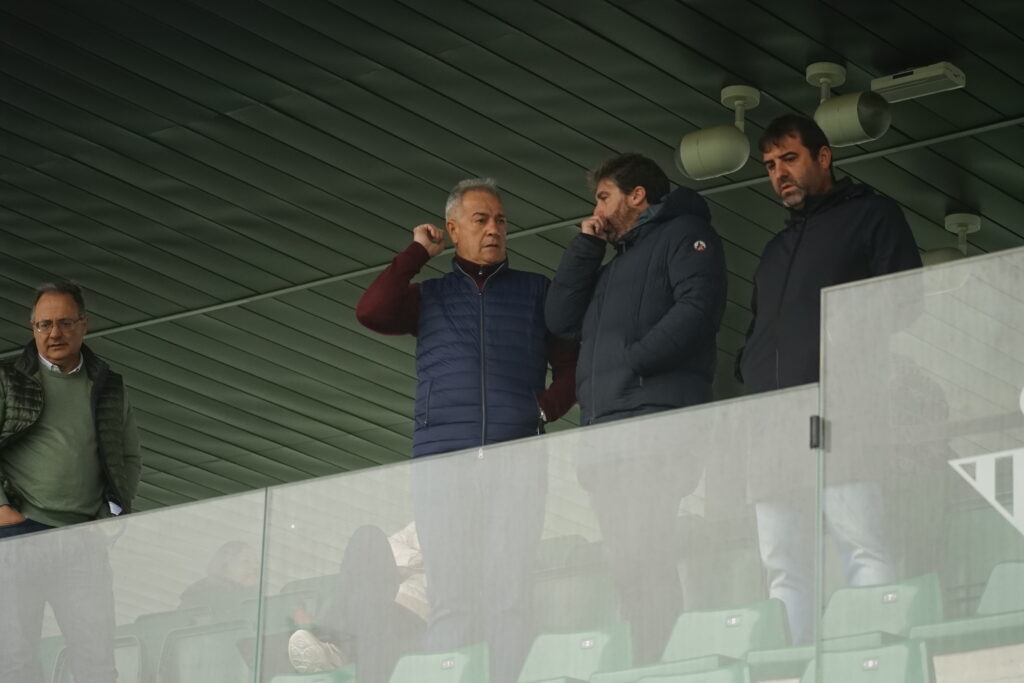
431	237
596	226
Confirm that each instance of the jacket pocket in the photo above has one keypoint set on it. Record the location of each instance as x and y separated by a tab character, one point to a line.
422	412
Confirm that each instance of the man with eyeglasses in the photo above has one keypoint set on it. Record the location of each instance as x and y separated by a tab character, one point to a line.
69	453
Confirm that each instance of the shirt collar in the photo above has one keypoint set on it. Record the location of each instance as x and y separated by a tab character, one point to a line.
54	368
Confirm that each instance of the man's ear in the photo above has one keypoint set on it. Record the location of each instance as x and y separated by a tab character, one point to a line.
453	230
638	196
825	157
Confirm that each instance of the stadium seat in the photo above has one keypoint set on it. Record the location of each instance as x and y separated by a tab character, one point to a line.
127	660
555	552
905	662
708	640
346	674
50	648
559	656
859	618
468	665
999	619
151	631
206	653
275	611
322	588
574	599
736	673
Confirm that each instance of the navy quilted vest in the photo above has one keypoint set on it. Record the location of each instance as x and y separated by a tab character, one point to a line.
481	360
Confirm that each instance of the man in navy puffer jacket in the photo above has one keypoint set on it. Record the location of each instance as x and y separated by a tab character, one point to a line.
647	321
482	352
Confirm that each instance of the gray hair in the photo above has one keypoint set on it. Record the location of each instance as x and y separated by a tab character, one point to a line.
454	202
72	289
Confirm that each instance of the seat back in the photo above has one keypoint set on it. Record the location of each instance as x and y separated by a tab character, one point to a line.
578	655
275	611
346	674
127	661
893	608
468	665
1004	591
737	673
574	599
905	662
731	632
207	653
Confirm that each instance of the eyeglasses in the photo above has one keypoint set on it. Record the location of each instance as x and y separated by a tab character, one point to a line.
65	324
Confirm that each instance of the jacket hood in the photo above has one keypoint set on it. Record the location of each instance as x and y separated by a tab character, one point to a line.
680	202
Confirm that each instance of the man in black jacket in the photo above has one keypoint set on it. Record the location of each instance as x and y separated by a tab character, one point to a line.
647	322
838	231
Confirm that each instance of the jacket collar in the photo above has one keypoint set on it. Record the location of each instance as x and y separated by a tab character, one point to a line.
28	362
843	190
681	201
476	270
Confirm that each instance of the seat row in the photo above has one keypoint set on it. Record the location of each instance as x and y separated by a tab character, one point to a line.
875	634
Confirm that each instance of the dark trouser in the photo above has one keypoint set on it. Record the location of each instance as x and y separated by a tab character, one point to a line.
71	571
636	502
479	522
363	619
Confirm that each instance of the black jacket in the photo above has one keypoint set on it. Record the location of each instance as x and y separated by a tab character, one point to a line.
647	320
847	234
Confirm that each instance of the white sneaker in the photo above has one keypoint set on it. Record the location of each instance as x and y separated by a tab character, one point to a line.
309	654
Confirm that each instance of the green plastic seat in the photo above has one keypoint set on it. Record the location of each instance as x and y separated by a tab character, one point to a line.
275	611
577	655
206	653
50	648
127	659
737	673
152	629
578	597
346	674
894	608
905	662
321	587
708	640
999	619
468	665
859	618
1003	592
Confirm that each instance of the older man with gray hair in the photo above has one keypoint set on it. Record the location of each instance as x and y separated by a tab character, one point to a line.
69	453
482	354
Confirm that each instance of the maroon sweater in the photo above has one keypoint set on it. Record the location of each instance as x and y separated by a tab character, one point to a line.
391	305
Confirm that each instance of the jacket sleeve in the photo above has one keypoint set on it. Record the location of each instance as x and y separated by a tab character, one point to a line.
391	305
573	286
698	282
892	247
132	454
560	396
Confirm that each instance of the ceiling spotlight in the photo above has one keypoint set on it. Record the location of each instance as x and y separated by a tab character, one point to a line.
925	80
713	152
961	225
847	119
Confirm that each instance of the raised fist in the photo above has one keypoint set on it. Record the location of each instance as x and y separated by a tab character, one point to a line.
431	237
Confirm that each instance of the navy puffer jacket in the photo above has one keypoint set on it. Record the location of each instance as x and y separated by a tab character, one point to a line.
481	359
648	319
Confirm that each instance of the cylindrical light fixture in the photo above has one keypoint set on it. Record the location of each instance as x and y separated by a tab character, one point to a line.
849	119
717	151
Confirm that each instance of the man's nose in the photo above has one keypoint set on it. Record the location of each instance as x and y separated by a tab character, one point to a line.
55	331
